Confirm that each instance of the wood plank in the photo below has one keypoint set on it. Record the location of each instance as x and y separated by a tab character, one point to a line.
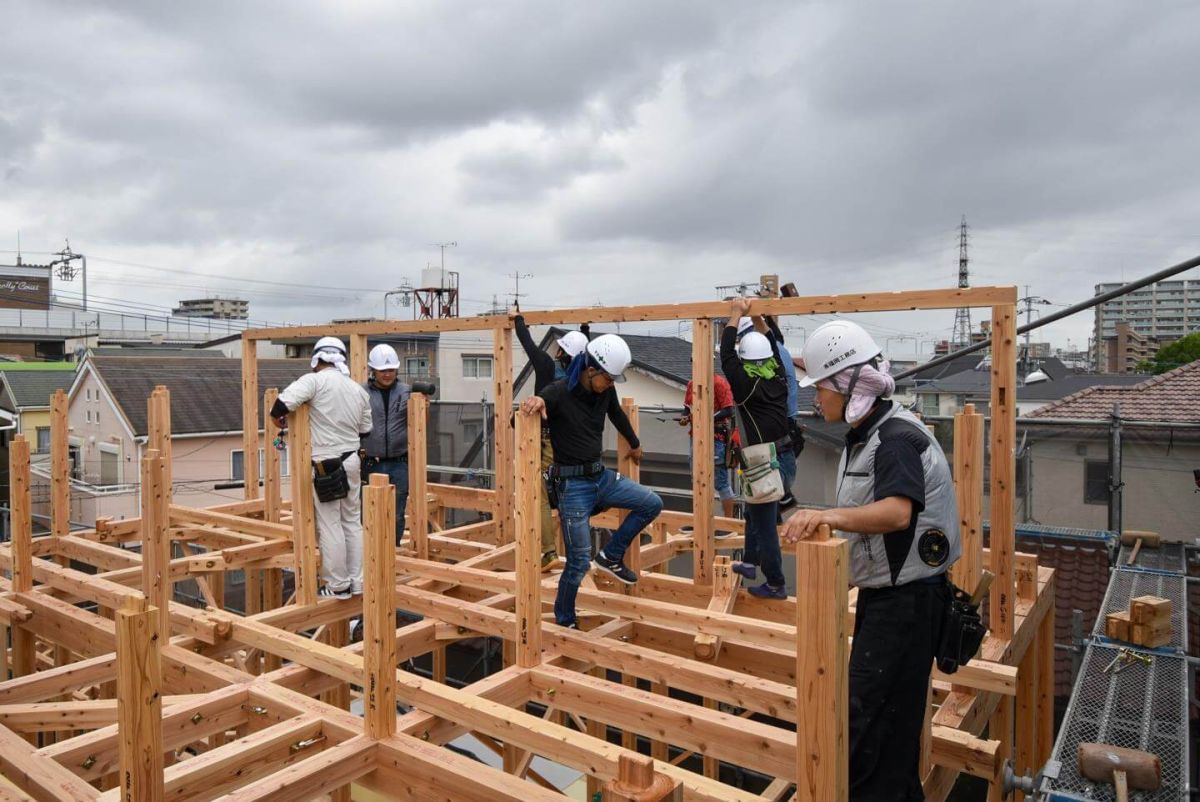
156	543
139	687
527	630
418	473
41	777
304	525
323	772
359	369
272	461
250	416
60	466
503	432
968	485
21	515
379	608
702	451
627	467
1045	695
237	523
1003	468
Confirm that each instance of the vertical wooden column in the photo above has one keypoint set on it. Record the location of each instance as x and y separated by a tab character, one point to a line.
358	357
968	483
158	418
1001	729
156	545
1045	698
139	716
702	451
272	465
502	382
304	524
60	467
418	473
1026	713
628	468
638	782
822	661
24	644
379	607
528	634
1004	467
250	416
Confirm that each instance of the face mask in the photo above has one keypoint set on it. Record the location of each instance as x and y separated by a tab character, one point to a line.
761	370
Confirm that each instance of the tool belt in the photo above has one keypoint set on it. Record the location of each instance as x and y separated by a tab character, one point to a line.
371	462
553	476
330	481
962	631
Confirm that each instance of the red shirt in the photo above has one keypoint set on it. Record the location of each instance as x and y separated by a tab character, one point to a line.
722	398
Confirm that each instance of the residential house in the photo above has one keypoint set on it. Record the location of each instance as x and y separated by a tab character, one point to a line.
25	391
1069	445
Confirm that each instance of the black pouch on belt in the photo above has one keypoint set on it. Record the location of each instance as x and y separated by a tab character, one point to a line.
330	481
551	488
962	632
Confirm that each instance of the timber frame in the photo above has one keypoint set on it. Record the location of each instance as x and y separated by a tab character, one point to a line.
213	704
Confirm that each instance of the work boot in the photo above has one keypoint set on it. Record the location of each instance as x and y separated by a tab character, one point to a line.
768	591
614	568
548	560
745	570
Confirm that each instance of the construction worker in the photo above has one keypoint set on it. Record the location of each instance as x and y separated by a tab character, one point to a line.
896	505
722	418
787	456
548	369
575	408
759	386
385	448
339	415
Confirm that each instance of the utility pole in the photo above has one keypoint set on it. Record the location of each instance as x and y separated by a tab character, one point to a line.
1029	301
962	316
443	246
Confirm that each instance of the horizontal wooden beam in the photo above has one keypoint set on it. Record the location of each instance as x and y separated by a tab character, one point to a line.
43	778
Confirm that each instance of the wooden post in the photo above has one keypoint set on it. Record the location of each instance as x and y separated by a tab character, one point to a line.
156	544
628	468
60	467
158	418
638	782
1001	729
1026	713
304	525
502	382
702	451
822	660
1045	697
418	473
358	357
139	715
24	643
528	635
1004	467
250	416
379	608
968	482
272	600
272	465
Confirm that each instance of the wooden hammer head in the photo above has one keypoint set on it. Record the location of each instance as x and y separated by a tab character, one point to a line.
1150	540
1097	762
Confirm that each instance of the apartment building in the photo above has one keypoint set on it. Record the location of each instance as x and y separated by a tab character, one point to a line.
1164	311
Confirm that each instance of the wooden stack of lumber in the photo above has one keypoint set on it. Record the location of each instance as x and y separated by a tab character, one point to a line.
1147	622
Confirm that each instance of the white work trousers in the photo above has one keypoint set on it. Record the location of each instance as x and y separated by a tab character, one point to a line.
340	534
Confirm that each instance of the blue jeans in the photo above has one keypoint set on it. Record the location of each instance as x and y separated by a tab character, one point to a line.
762	541
578	497
721	479
397	473
787	467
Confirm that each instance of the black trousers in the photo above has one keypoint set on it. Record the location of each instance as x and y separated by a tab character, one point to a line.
896	632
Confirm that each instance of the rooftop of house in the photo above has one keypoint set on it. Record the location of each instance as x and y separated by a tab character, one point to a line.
23	389
979	383
206	394
158	350
1173	397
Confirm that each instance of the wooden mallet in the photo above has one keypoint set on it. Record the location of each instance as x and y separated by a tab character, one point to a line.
1138	539
1124	768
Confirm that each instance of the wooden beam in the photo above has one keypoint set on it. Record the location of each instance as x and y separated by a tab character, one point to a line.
632	470
158	418
702	451
418	472
822	568
1045	696
60	466
156	543
379	608
304	525
359	370
724	596
250	415
968	485
1003	463
139	687
528	619
502	429
42	778
21	516
325	771
272	464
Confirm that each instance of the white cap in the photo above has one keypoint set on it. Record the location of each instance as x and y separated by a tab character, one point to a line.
573	342
744	325
383	357
833	347
754	346
330	342
613	355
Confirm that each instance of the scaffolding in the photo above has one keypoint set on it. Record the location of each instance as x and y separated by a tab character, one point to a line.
120	692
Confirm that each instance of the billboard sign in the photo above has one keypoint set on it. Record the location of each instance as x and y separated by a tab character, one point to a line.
24	287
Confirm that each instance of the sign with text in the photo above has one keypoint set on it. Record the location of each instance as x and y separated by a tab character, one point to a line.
24	287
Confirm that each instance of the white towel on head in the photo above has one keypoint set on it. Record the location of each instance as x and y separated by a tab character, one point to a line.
335	358
872	383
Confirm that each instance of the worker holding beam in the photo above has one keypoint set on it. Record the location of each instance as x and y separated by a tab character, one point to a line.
896	506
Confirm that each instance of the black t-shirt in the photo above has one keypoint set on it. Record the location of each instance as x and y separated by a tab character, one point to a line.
761	403
576	420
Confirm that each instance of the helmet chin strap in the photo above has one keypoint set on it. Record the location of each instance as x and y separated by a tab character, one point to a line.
850	390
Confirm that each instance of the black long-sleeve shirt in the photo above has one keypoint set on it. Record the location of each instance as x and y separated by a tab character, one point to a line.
762	403
543	364
576	419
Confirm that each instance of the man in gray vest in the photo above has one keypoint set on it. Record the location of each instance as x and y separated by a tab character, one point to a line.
385	449
896	506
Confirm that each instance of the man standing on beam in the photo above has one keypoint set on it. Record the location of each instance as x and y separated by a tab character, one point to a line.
574	408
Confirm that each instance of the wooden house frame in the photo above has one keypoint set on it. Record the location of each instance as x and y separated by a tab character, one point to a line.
118	692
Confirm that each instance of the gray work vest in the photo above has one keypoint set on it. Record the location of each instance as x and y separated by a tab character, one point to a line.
389	427
935	543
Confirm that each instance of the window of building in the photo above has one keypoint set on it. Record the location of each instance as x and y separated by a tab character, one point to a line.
477	367
929	404
237	464
88	415
416	366
43	439
1095	482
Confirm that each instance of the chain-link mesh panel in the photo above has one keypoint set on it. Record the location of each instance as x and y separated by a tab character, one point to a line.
1167	558
1127	585
1139	707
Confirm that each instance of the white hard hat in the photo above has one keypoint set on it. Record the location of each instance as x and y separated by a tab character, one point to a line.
383	357
744	325
754	346
326	343
612	354
837	345
573	342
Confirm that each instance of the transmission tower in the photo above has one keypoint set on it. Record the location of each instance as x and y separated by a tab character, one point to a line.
962	317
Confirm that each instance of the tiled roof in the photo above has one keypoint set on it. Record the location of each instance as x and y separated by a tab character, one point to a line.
1171	397
33	388
956	365
206	394
1073	383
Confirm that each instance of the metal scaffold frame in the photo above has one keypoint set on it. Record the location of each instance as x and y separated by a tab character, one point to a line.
213	704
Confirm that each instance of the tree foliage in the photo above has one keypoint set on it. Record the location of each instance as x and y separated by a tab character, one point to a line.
1177	354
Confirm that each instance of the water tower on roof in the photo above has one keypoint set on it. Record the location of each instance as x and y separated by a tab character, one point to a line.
437	293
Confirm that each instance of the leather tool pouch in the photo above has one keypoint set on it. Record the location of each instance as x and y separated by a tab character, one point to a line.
330	481
962	632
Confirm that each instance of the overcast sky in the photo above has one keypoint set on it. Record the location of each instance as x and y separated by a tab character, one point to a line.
307	156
